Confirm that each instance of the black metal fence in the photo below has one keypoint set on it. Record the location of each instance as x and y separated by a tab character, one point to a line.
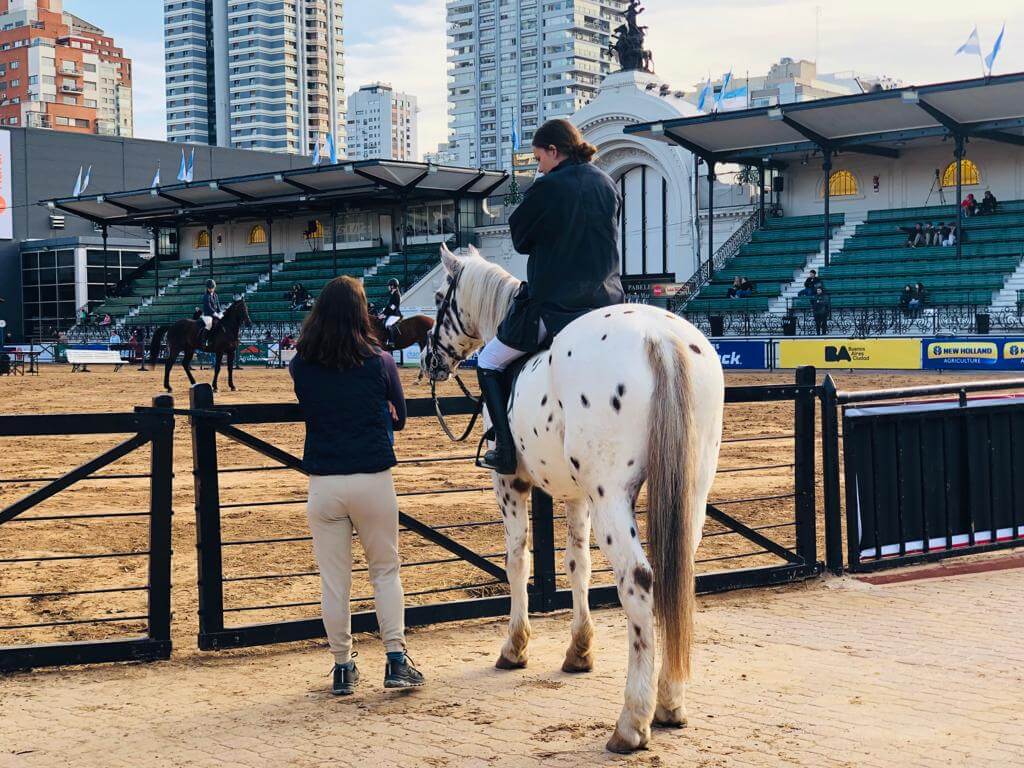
929	473
31	617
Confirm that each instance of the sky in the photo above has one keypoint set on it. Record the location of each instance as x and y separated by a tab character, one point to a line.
403	42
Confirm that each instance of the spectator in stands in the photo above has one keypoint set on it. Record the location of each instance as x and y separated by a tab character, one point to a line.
350	396
970	205
918	297
950	238
821	307
747	288
734	289
299	296
135	345
811	284
83	315
988	203
106	320
930	234
114	338
906	296
915	235
268	336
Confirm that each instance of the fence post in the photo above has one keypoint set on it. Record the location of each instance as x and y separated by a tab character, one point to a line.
161	472
803	466
830	476
544	586
207	495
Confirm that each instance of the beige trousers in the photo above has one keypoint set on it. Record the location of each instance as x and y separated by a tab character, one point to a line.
367	503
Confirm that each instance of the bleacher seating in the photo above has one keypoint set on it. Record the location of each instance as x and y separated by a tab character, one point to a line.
770	260
874	264
137	291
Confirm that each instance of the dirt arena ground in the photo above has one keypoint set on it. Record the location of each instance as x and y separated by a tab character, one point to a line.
270	504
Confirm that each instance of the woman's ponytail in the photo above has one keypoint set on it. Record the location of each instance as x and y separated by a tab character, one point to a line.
566	138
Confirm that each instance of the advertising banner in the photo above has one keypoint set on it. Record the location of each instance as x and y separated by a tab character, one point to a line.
992	354
882	354
752	355
6	204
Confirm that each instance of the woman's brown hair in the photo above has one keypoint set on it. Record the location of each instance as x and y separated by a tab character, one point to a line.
566	138
337	332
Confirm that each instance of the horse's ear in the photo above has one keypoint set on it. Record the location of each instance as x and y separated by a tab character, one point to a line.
474	252
452	263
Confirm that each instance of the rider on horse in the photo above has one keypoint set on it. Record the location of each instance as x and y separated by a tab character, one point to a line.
211	311
392	312
567	225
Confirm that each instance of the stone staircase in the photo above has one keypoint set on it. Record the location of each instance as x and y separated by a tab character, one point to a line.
839	237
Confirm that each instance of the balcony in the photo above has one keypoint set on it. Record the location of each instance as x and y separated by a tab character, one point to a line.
38	120
65	88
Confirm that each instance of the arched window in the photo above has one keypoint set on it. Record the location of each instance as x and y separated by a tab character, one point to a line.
968	173
315	230
202	239
842	184
257	235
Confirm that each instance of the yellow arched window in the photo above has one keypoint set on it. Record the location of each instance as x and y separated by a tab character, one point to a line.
317	230
968	173
842	183
257	235
202	239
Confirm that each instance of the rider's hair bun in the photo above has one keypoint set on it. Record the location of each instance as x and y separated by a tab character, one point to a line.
566	138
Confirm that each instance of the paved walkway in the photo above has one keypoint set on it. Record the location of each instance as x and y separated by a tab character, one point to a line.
841	673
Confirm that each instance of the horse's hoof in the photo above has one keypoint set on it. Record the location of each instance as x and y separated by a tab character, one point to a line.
504	662
574	663
234	389
620	745
669	718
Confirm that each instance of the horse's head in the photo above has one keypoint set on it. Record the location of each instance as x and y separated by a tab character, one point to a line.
239	311
456	334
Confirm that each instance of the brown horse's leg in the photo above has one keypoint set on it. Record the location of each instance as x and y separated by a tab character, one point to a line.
172	355
231	368
216	370
186	363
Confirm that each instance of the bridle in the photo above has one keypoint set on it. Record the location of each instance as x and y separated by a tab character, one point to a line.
433	365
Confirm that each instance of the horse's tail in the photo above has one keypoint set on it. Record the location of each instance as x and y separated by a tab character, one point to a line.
672	477
154	345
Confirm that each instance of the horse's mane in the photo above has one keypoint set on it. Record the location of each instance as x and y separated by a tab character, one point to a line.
485	292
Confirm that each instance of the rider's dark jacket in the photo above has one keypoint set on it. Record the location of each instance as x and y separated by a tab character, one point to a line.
394	305
567	224
211	304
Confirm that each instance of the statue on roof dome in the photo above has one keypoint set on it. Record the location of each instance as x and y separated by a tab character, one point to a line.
628	45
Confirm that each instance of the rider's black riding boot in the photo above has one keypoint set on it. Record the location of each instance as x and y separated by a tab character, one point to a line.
493	387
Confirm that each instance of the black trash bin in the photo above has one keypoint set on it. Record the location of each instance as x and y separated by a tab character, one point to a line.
789	325
982	323
717	325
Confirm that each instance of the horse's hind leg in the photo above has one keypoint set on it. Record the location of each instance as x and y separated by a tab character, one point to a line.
216	370
617	535
231	368
512	496
579	657
172	356
186	363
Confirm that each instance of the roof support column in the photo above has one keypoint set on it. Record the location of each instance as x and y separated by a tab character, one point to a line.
334	243
405	242
826	166
711	218
958	153
106	280
270	250
209	249
760	186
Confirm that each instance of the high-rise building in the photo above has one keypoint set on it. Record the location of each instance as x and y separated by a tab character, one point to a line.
255	74
59	71
382	123
522	61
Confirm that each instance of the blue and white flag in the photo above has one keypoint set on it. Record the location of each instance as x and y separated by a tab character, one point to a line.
990	59
706	91
190	172
973	45
515	136
85	182
726	80
183	168
316	152
78	184
332	151
736	98
156	178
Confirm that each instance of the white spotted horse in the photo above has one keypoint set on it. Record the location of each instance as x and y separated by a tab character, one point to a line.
625	395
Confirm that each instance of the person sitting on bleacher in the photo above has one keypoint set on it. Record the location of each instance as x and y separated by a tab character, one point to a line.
915	235
211	311
747	288
988	203
970	206
299	296
811	284
930	234
905	297
734	289
949	238
918	297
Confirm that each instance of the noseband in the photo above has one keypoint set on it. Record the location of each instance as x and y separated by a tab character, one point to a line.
433	366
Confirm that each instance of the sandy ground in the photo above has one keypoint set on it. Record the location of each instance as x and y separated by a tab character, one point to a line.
270	504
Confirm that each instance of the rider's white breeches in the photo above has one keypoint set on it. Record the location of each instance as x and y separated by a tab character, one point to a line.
497	355
391	321
208	322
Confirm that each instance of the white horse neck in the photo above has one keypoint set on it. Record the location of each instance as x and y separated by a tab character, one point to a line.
485	293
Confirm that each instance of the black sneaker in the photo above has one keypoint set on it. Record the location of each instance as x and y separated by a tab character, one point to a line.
402	674
345	679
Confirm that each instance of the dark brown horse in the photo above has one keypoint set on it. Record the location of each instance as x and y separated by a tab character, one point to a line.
183	336
403	334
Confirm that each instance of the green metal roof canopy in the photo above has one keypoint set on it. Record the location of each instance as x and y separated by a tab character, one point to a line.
876	123
291	192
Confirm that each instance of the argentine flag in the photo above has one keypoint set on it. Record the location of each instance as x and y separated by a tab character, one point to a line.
332	151
515	136
726	80
736	98
156	178
190	172
990	59
973	45
85	182
706	91
316	152
183	168
78	183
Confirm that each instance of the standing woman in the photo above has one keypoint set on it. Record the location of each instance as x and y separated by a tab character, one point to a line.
567	224
351	395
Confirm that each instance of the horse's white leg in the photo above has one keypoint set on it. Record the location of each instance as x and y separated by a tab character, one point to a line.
513	499
579	657
619	539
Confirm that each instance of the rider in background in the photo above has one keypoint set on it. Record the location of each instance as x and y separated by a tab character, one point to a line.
211	310
567	224
392	312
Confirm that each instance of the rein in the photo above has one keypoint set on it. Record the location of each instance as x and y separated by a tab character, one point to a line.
435	339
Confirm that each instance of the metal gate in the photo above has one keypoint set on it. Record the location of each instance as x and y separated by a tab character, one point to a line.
147	426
